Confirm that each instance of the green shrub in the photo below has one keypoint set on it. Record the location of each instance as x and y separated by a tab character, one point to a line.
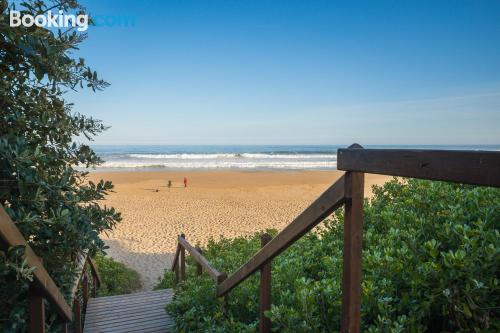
42	141
431	258
116	278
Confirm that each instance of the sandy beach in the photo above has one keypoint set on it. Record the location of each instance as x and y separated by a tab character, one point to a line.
215	203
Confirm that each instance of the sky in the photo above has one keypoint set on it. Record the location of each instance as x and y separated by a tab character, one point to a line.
294	72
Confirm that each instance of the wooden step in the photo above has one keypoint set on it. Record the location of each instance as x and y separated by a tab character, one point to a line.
139	312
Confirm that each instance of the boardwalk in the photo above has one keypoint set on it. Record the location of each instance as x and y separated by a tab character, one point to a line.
139	312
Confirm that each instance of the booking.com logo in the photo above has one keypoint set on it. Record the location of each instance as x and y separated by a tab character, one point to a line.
113	21
49	20
61	20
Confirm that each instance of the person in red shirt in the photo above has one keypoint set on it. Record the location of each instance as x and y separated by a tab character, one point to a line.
185	182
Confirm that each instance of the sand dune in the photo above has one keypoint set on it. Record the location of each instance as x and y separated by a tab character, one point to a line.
228	203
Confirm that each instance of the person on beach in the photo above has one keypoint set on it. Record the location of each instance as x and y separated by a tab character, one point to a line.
169	184
185	182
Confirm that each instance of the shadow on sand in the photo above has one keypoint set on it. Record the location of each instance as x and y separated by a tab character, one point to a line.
158	190
150	266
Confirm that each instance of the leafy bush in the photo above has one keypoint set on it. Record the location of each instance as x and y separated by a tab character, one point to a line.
116	278
431	259
53	204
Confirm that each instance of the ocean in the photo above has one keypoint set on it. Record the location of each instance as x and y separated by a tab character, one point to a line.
298	157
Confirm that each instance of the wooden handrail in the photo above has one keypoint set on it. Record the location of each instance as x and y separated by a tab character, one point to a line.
331	199
44	284
200	259
466	167
476	168
83	260
334	197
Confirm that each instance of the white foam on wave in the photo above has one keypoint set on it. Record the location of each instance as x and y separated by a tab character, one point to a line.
233	155
291	156
223	164
208	160
181	156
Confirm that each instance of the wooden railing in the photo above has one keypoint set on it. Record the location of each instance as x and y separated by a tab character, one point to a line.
43	287
83	281
468	167
179	263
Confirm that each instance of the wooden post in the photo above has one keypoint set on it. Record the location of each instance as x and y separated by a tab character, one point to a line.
94	286
78	316
176	270
265	290
199	269
220	279
183	261
352	254
85	288
36	312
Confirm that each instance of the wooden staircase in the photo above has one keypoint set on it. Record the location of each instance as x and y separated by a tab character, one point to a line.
138	312
145	311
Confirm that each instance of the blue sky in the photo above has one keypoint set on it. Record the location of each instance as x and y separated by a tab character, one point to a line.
295	72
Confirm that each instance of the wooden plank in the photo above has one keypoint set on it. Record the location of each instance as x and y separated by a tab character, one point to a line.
467	167
124	308
132	313
143	317
36	312
43	282
154	298
215	274
126	302
140	294
145	312
352	253
136	325
124	305
91	321
125	315
265	290
157	327
137	321
329	201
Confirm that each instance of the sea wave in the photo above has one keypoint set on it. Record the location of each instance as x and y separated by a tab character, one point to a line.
236	157
233	155
223	164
